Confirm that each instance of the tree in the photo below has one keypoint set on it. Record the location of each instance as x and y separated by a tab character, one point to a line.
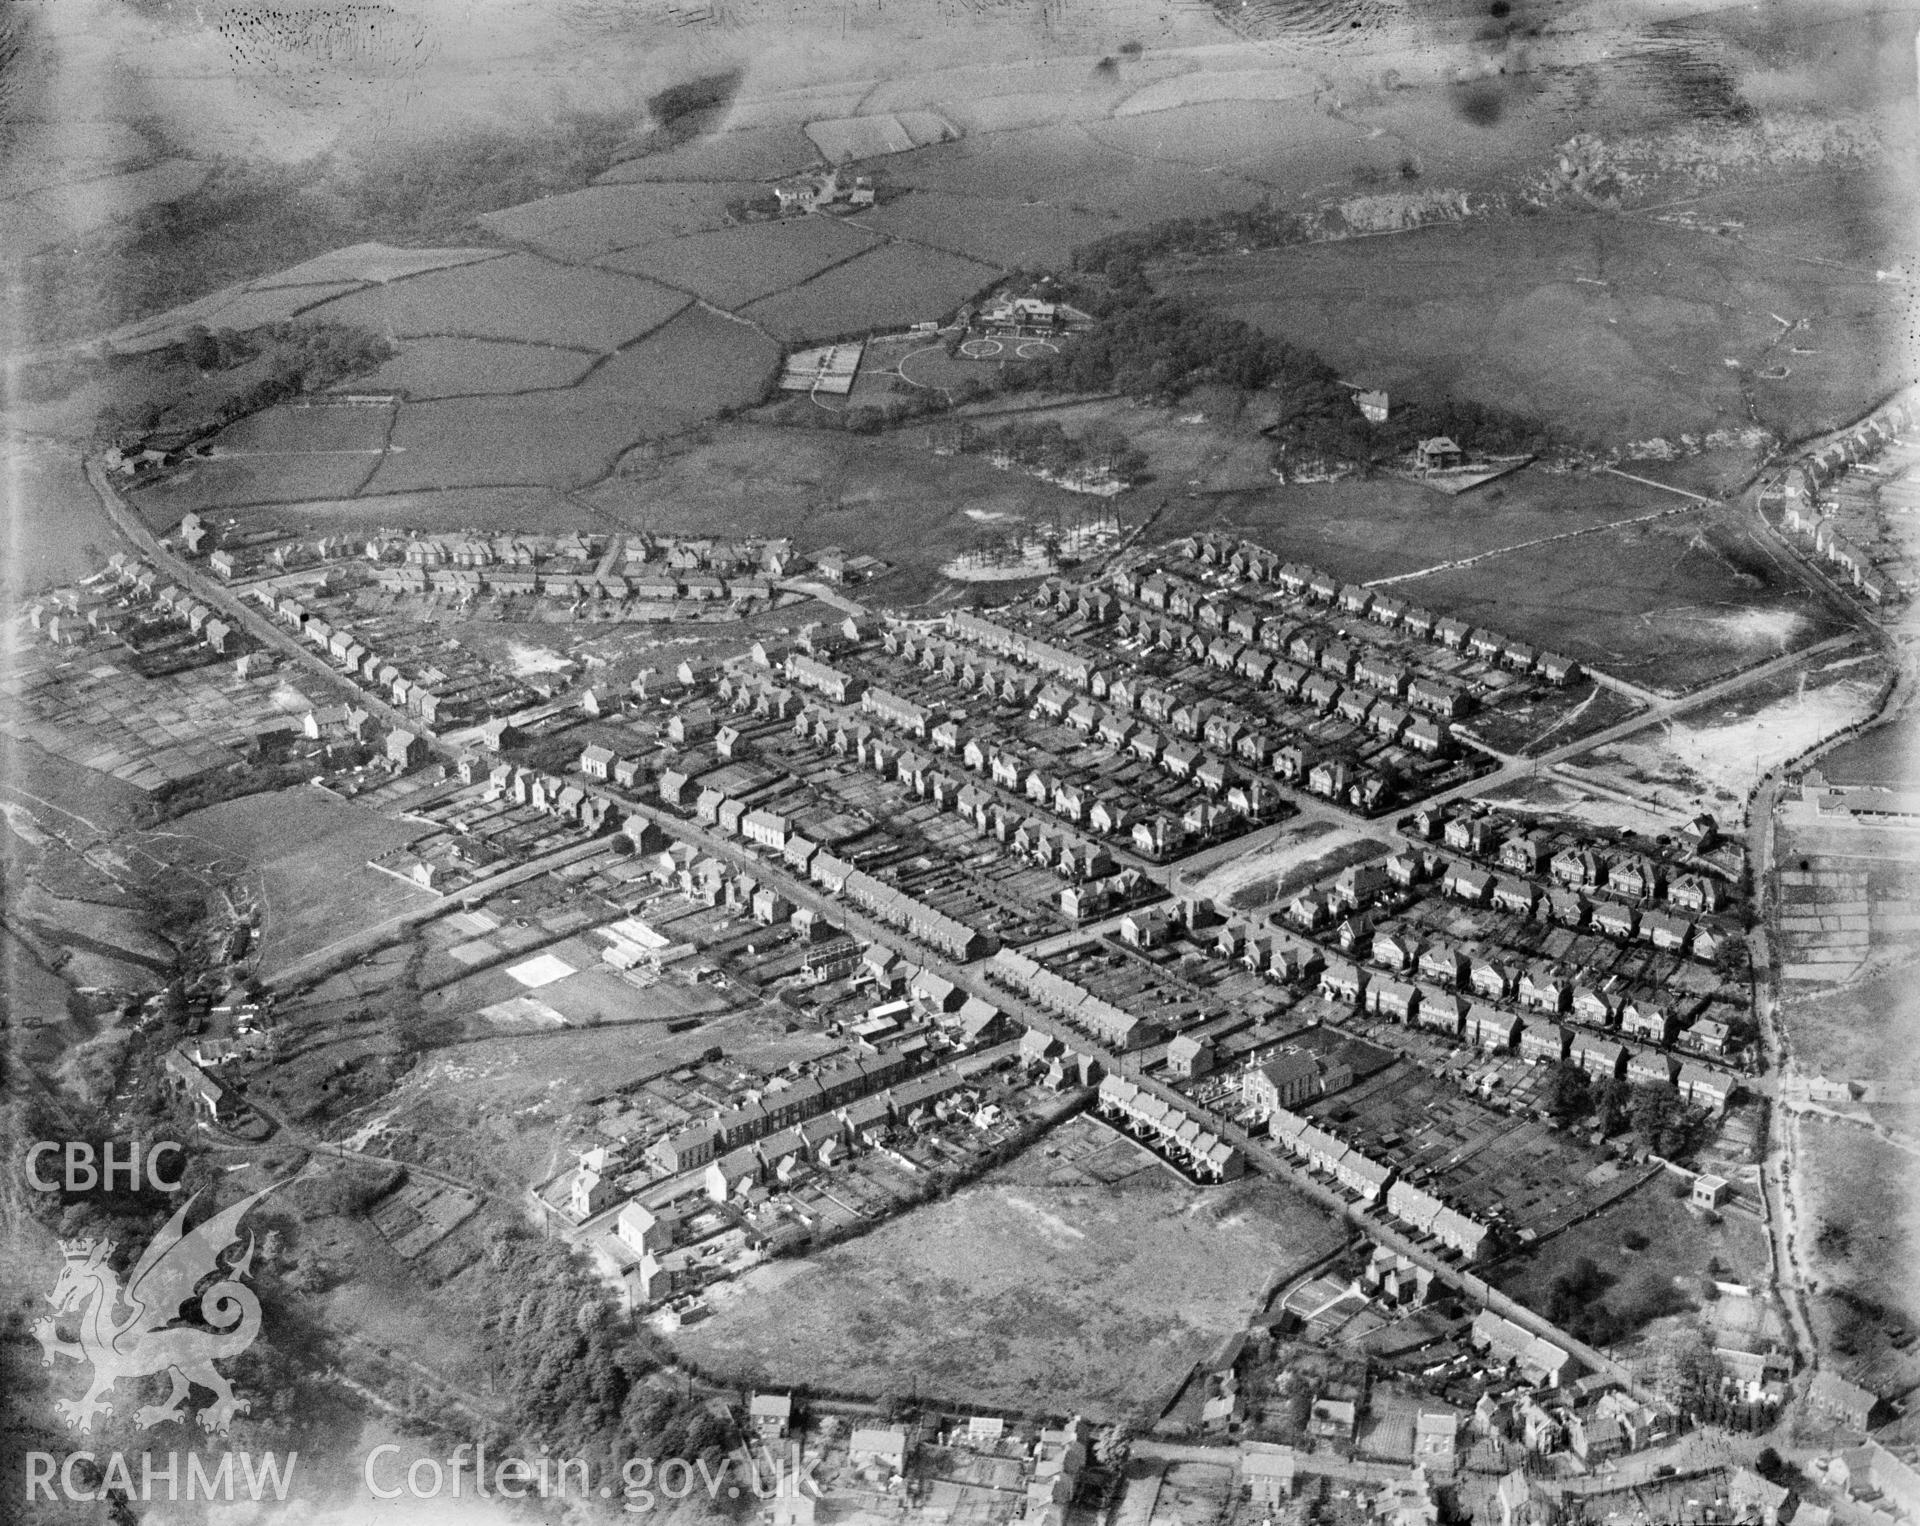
1572	1096
201	349
1660	1119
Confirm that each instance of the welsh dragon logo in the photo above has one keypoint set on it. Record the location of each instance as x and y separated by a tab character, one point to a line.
149	1336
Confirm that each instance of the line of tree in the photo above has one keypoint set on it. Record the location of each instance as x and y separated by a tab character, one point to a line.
1046	446
1125	255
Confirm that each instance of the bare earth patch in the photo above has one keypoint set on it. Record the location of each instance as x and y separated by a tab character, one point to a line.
1099	1297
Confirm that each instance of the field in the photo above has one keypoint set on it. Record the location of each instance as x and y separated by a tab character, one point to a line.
731	267
873	135
884	496
480	508
758	153
1068	167
1668	604
1099	1296
1276	144
1386	527
697	364
1858	1232
516	297
1616	330
310	853
283	454
52	212
582	224
1884	755
1675	1252
1848	902
1002	230
372	262
888	287
429	368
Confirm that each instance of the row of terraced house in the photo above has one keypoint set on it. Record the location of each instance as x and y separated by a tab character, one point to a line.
1169	1130
1800	490
1388	701
1373	1183
1215	610
1085	805
437	697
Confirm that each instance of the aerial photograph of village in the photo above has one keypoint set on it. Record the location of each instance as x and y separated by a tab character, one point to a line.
960	762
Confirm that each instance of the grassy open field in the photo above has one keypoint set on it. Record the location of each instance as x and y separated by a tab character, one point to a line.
561	438
582	224
310	851
516	297
1613	329
370	262
695	365
888	287
1857	1030
1657	1252
1099	1296
427	368
480	508
282	454
1385	527
1002	230
1064	166
1670	604
731	267
1281	144
1884	755
882	495
1859	1218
